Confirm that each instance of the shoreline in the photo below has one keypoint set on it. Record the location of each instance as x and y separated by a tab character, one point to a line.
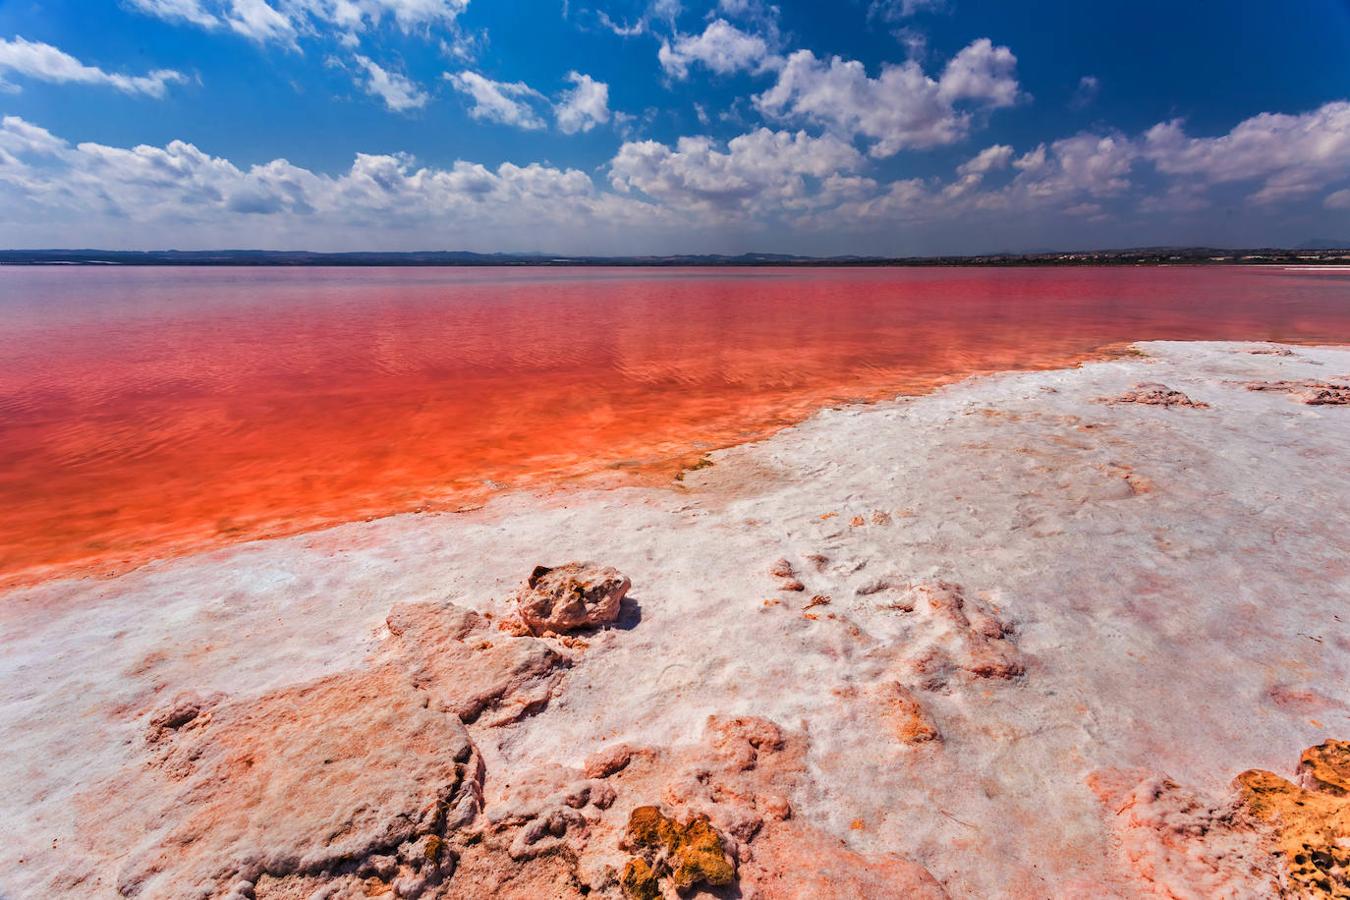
650	471
1074	596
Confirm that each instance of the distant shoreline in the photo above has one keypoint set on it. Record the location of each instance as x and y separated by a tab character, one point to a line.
281	258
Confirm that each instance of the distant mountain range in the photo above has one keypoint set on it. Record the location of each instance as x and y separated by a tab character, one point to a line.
1314	252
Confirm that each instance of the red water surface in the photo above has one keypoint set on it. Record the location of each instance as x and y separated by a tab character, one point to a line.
149	412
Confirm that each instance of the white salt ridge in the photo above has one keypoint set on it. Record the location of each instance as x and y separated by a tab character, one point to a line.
1162	616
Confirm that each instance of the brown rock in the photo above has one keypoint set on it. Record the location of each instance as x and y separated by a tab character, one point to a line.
1326	768
1153	394
682	853
817	600
605	763
454	654
1309	827
911	722
1273	838
798	862
314	779
1313	393
576	595
365	781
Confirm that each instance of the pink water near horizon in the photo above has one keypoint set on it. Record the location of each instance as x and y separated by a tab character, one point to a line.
147	412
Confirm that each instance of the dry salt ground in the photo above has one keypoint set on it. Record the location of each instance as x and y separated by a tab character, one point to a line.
1168	587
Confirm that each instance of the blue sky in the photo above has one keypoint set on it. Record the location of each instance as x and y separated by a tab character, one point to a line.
860	126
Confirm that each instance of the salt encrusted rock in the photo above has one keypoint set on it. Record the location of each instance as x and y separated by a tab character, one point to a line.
1326	768
1154	394
187	710
366	778
299	784
910	721
1273	838
1176	842
480	674
605	763
1311	392
962	632
576	595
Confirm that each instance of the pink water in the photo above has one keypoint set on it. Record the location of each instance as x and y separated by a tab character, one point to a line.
150	412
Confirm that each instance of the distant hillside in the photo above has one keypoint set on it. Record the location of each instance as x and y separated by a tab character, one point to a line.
1306	255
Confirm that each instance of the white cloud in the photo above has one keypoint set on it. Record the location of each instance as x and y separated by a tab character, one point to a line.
283	20
397	92
722	47
257	19
1086	93
1292	155
983	73
507	103
895	10
987	160
756	173
623	29
584	106
815	186
902	107
1083	165
179	194
44	62
359	14
190	11
971	172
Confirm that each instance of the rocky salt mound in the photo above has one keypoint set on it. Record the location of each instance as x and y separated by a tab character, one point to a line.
1004	640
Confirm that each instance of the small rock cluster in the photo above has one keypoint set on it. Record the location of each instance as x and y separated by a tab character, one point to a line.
1309	391
1154	394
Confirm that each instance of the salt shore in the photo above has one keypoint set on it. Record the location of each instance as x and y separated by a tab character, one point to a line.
1015	638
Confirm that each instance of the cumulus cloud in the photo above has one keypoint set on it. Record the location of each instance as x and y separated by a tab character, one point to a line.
987	160
983	73
397	92
971	172
902	108
758	172
1085	164
583	106
656	192
507	103
167	189
1291	155
43	62
722	48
